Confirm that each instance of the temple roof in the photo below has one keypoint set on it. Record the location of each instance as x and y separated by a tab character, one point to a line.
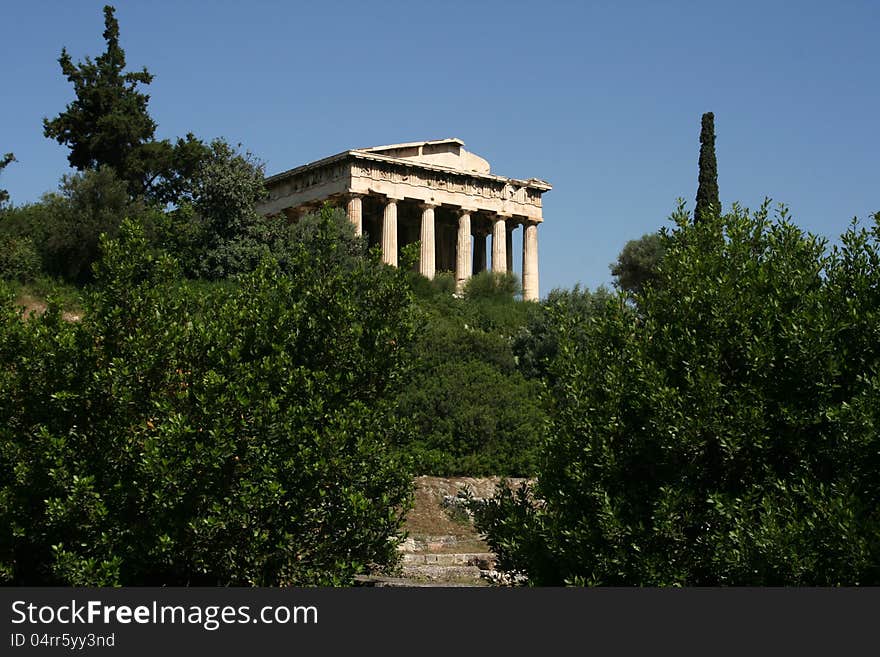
411	144
439	154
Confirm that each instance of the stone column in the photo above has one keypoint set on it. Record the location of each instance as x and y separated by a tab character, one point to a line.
354	209
428	248
499	244
463	263
508	245
389	232
530	262
479	252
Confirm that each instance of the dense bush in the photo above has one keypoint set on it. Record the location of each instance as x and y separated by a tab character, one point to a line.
473	412
65	226
472	419
226	434
723	430
492	286
327	237
536	344
226	189
19	260
637	263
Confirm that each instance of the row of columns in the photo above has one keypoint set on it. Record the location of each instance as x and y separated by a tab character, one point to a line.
502	244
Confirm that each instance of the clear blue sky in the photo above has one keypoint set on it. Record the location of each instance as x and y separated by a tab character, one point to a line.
602	99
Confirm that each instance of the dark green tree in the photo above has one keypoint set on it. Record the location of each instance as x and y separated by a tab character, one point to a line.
108	124
536	344
473	412
226	188
637	264
108	120
326	236
67	226
707	190
723	433
211	435
4	162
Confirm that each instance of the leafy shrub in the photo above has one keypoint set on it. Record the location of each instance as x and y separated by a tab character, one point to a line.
226	189
65	227
471	419
536	344
492	286
19	259
326	237
225	434
723	430
473	413
444	282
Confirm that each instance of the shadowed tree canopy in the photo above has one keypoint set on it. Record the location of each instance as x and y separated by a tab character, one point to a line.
108	120
723	433
108	123
4	162
707	190
636	266
182	434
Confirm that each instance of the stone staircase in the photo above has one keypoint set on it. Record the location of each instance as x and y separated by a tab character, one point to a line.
420	566
443	548
464	568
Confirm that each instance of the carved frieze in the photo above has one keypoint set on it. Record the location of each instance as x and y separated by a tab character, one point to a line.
390	172
309	179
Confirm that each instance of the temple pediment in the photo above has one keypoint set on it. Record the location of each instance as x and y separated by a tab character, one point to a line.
448	153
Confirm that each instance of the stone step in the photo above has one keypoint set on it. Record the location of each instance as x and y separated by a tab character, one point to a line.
445	574
443	543
382	581
482	560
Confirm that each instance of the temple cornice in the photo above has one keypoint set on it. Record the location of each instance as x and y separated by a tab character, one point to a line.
363	172
535	183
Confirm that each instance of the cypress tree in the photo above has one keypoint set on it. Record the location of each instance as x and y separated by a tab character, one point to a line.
707	191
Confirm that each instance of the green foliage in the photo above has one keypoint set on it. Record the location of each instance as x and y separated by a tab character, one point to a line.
326	237
4	162
473	412
230	434
227	187
724	433
536	344
66	227
25	221
165	172
708	201
223	235
108	121
180	231
19	260
443	284
472	419
108	124
492	286
638	263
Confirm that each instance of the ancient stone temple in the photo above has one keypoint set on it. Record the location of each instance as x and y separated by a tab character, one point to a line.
433	192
